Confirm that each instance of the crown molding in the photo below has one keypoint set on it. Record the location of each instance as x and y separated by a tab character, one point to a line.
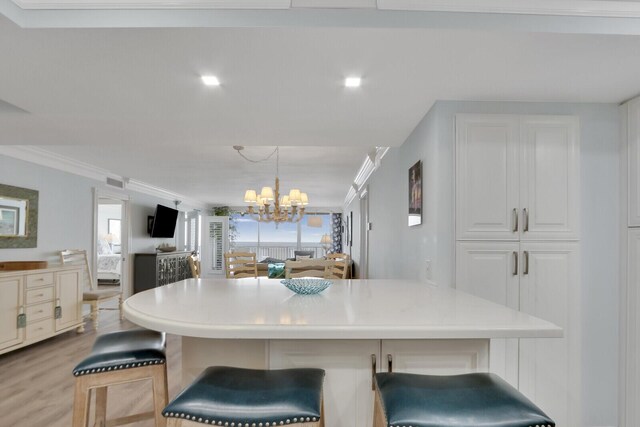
586	8
583	8
154	4
46	158
369	165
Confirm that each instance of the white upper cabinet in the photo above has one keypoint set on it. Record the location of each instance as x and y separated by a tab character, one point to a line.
634	162
517	177
487	177
549	178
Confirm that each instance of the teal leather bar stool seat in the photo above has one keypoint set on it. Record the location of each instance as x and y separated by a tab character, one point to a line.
470	400
117	358
236	397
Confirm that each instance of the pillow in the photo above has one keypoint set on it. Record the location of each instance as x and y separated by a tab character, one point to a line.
301	257
276	271
308	254
103	247
269	260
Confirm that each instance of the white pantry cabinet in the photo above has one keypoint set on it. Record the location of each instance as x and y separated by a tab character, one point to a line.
632	368
542	279
29	301
633	136
490	270
517	177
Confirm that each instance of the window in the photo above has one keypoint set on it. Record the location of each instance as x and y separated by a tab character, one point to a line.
269	240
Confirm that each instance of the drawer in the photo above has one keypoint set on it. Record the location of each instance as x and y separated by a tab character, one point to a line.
39	311
35	296
42	279
39	329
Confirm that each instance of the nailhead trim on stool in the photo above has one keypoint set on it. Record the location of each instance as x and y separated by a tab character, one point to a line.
117	358
275	391
469	400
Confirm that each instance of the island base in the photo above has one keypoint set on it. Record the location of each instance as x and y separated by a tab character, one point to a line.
349	364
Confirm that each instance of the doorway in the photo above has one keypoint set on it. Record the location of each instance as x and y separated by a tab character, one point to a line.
111	242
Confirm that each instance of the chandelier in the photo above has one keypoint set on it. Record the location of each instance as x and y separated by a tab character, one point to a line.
287	208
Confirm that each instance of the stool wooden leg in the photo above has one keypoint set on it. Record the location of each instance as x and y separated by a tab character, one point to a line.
94	314
120	308
81	403
378	414
101	407
160	393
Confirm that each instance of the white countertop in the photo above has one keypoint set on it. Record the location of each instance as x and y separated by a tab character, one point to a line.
348	309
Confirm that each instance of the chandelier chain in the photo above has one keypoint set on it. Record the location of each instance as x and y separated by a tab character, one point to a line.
259	160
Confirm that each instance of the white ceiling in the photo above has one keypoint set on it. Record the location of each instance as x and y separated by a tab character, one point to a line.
111	97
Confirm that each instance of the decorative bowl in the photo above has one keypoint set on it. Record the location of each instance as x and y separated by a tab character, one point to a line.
166	248
306	285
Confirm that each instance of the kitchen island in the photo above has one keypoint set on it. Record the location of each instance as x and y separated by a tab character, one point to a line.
352	329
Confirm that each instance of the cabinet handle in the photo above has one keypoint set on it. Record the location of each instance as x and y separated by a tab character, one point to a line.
373	372
526	262
389	363
525	214
515	220
40	295
515	263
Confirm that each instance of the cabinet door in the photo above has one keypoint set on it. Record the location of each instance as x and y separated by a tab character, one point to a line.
490	270
633	135
435	357
632	368
348	394
550	368
69	298
487	198
549	178
11	304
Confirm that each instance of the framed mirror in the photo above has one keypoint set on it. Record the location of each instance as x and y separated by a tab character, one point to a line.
18	217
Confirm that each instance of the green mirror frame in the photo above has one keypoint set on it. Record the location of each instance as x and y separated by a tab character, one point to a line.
30	238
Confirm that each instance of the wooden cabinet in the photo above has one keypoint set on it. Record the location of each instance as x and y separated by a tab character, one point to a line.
517	177
38	304
69	298
11	305
159	269
541	279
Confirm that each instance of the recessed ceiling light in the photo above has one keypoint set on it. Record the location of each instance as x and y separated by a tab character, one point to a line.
352	82
210	80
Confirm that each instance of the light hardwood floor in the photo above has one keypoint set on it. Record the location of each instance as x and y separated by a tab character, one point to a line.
36	384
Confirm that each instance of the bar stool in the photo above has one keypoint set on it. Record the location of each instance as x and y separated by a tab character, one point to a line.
236	397
117	358
469	400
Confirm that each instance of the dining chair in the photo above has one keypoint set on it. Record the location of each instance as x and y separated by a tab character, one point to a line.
308	268
194	265
341	266
90	294
240	264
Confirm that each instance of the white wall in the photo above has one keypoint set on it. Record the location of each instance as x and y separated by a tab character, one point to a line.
399	250
65	218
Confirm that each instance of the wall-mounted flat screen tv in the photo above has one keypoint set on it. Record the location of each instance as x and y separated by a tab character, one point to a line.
164	222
